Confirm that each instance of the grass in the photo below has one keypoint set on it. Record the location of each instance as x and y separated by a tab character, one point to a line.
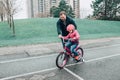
43	30
98	29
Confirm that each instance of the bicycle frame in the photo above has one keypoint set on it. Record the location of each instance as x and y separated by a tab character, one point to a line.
63	57
68	52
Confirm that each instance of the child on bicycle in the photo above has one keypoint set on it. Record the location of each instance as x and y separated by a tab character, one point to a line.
73	40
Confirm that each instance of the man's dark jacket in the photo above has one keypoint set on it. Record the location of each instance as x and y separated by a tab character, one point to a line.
61	26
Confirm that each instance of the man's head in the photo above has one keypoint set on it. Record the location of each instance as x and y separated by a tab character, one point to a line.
62	15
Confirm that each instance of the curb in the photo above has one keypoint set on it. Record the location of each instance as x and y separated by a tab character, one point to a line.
43	49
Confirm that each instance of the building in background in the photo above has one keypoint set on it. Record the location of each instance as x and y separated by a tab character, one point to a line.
41	8
76	8
34	8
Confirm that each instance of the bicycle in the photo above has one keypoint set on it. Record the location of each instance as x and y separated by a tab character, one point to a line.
63	57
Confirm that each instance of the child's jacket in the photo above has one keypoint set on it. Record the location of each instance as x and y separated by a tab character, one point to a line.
74	36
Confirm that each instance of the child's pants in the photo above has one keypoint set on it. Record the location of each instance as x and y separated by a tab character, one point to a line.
72	46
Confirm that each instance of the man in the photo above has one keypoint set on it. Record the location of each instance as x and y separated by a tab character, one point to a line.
62	24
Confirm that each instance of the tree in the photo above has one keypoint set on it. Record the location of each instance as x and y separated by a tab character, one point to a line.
106	9
2	11
54	11
10	9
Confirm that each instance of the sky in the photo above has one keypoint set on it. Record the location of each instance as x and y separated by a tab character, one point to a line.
85	3
23	10
85	9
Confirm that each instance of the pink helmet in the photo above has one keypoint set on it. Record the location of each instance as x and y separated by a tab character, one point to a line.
70	27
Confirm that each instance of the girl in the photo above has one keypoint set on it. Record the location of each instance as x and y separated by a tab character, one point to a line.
73	40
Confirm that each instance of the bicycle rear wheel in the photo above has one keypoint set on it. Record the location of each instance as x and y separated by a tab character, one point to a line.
81	53
61	60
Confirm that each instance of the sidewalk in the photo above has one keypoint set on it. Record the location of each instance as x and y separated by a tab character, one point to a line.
42	49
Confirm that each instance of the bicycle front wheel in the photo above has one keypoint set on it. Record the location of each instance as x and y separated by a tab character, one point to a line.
61	60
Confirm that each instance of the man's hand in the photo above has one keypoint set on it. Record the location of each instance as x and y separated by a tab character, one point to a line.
60	36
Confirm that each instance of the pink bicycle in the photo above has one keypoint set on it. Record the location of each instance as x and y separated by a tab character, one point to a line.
64	56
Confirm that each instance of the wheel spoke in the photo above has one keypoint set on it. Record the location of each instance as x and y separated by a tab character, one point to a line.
61	60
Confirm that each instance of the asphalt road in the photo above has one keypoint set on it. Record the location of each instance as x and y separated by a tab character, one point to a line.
101	63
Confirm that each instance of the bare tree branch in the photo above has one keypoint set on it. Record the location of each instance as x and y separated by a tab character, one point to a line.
10	8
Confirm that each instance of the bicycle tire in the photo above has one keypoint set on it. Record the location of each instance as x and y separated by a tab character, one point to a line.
81	52
63	60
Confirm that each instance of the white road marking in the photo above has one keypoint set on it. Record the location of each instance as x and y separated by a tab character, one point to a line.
29	58
26	74
75	75
103	58
55	67
96	59
11	77
80	78
103	46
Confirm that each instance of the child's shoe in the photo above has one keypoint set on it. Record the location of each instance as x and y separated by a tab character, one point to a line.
77	58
